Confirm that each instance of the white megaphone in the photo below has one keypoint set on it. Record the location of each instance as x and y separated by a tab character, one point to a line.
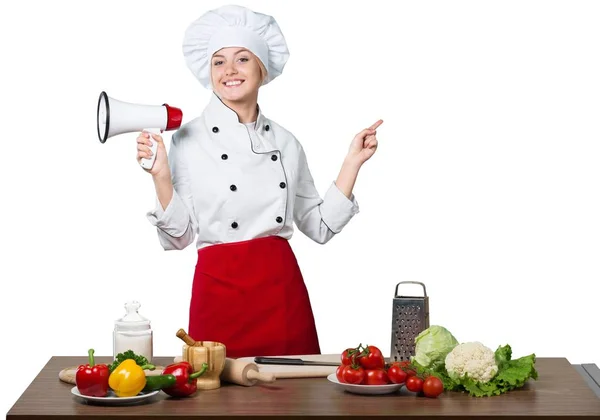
117	117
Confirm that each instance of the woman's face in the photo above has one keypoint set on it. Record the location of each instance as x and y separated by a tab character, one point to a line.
236	74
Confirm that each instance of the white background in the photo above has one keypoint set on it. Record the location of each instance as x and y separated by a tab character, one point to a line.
485	185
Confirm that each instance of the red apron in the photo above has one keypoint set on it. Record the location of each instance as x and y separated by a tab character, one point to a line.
251	296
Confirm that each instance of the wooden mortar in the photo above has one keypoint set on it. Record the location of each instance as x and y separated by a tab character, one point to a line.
198	352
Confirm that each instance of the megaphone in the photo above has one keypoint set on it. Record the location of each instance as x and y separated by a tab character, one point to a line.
118	117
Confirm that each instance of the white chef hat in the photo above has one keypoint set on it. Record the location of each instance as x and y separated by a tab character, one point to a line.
234	26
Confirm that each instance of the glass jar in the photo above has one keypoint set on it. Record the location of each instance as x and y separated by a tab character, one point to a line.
133	332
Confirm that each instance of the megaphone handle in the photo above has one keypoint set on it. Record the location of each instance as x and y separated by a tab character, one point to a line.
148	163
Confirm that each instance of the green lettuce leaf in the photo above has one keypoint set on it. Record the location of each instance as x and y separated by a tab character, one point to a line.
516	372
502	355
440	372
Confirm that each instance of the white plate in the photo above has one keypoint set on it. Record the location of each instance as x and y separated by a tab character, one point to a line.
112	398
365	389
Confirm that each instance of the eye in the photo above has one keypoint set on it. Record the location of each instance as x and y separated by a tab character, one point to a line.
243	59
217	63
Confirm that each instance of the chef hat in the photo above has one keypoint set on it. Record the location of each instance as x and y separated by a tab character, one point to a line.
234	26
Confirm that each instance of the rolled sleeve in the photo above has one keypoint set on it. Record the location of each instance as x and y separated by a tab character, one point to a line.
320	218
337	209
174	220
176	224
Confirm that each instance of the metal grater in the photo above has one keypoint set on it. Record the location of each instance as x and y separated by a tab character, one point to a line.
410	316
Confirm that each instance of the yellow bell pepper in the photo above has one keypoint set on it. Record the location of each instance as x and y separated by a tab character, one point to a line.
128	379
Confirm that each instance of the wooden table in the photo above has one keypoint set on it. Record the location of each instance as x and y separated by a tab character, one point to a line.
560	391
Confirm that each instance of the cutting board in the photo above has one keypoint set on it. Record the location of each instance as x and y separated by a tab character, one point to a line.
292	371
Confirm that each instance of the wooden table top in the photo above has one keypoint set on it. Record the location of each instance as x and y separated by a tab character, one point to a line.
559	391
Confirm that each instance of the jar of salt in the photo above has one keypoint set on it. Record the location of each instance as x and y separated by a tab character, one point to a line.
133	332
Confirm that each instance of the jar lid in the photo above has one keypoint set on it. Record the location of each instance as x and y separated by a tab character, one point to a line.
132	319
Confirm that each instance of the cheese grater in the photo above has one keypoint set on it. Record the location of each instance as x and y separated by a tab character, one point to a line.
410	316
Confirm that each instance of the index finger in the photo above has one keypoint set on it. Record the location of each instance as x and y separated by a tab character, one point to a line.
377	124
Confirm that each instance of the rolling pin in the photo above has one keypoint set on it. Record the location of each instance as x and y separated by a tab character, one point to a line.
235	371
244	373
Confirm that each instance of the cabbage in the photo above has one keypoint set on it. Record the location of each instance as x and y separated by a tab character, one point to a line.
432	345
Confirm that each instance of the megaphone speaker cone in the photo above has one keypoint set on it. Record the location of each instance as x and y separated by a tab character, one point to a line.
103	117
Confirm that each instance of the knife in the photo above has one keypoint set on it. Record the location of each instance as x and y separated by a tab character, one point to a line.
291	361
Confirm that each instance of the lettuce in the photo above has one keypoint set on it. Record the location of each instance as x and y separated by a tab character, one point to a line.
512	375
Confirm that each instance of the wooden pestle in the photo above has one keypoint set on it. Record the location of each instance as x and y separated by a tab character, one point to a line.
186	338
235	371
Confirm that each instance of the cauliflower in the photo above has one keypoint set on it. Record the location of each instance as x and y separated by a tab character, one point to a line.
472	359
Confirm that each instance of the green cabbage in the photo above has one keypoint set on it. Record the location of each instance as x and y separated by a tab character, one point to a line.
432	345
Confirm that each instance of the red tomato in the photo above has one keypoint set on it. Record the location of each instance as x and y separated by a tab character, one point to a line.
405	366
353	376
432	387
373	359
339	373
414	384
376	377
396	374
347	356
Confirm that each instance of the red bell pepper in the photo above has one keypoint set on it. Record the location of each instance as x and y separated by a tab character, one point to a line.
186	379
92	380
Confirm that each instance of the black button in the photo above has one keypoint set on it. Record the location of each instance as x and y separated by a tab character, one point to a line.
234	225
267	128
279	219
224	156
233	188
215	129
282	184
273	158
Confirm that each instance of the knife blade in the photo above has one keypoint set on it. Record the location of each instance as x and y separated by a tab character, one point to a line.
291	361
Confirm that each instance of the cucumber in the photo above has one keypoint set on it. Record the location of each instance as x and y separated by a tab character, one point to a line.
157	382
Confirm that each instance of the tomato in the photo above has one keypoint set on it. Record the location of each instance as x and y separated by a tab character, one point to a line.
376	377
339	373
352	375
414	384
396	374
432	387
347	356
405	366
373	359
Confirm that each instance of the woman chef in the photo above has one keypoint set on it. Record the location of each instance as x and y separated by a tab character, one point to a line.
236	181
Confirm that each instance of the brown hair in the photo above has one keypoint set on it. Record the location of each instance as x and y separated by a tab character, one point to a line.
263	70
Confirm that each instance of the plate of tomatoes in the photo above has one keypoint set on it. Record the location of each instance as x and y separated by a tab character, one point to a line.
364	371
365	389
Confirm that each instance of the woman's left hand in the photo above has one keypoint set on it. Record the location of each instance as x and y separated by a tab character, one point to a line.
364	144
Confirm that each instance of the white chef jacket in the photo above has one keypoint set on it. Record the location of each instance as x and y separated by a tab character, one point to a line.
232	183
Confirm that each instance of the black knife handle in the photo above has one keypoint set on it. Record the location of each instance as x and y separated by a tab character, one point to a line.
277	361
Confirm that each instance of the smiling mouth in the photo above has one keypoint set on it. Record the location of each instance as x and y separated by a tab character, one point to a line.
233	83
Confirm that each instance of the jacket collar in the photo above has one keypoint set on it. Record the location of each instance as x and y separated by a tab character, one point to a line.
220	115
